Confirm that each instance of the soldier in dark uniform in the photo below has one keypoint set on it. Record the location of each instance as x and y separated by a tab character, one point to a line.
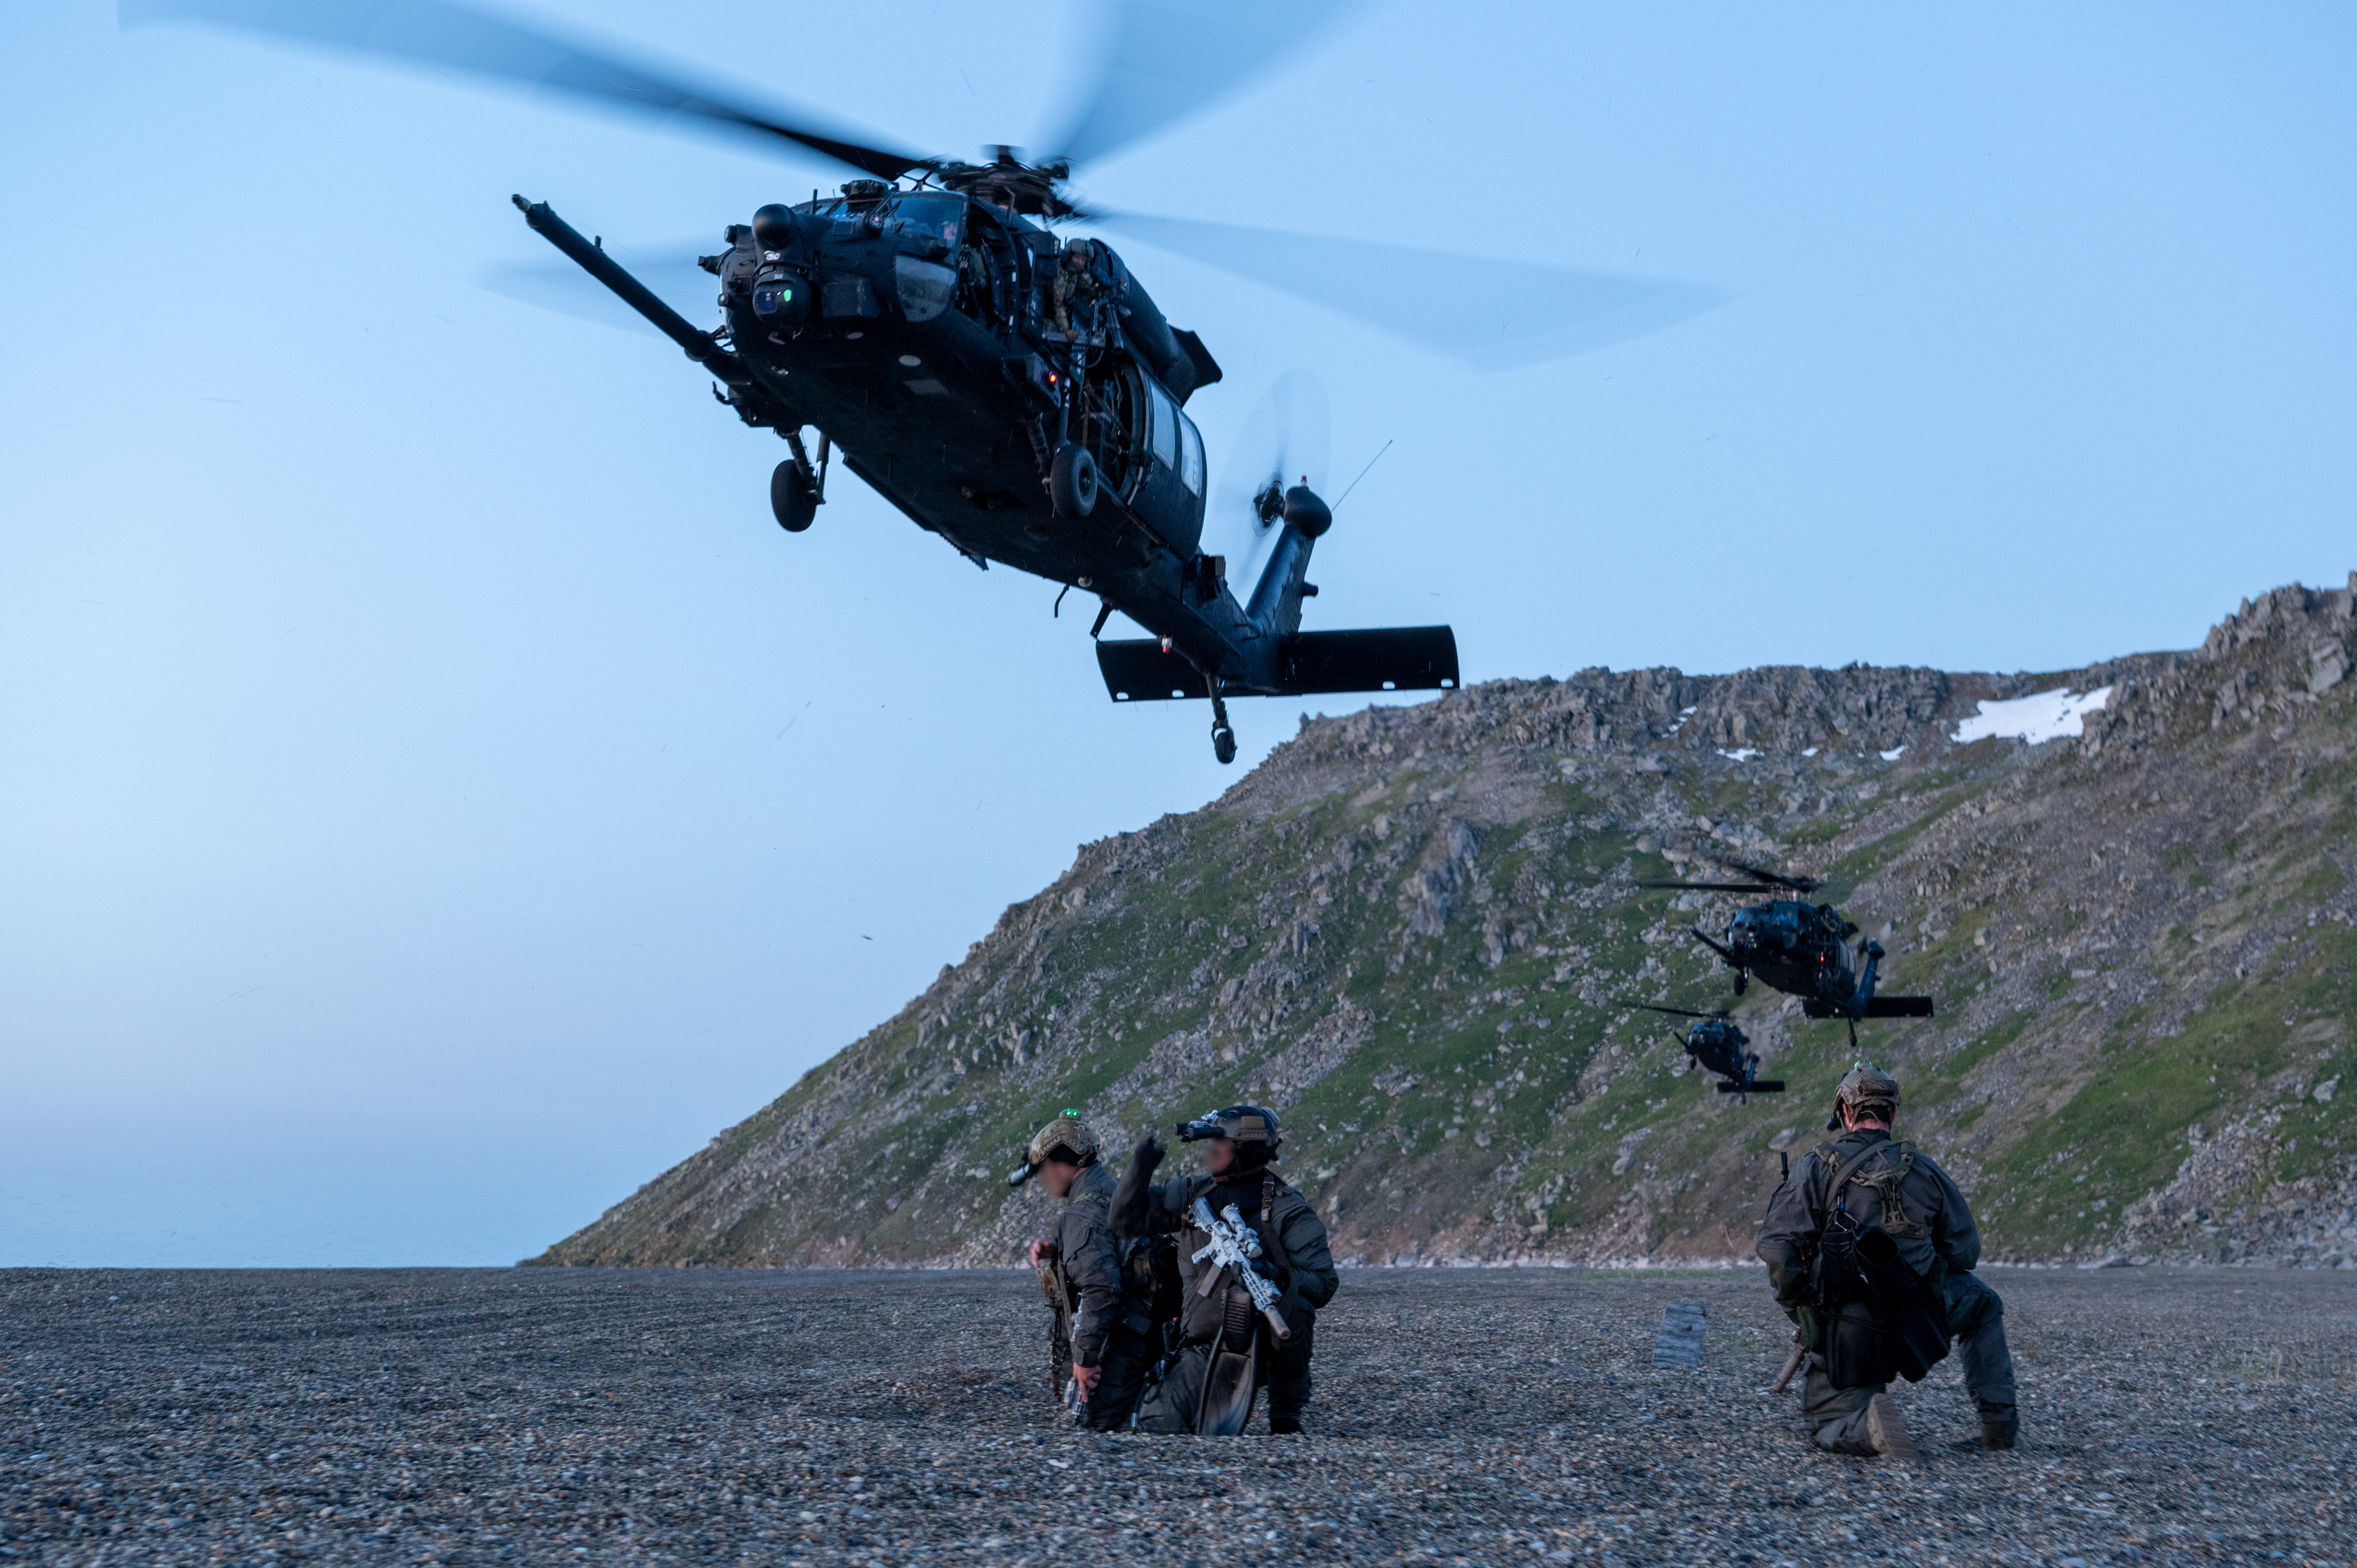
1113	1339
1891	1185
1239	1143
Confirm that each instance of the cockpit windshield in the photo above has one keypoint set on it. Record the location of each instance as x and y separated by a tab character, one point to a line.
936	215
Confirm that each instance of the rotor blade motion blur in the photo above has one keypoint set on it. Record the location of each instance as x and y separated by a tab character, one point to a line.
1493	315
1797	884
1677	1012
1283	442
561	287
1164	61
437	32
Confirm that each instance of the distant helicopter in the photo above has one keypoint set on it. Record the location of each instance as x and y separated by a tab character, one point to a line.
1800	949
1717	1046
1019	395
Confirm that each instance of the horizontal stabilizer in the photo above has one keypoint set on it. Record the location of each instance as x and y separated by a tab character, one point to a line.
1136	670
1764	1086
1394	658
1898	1007
1877	1008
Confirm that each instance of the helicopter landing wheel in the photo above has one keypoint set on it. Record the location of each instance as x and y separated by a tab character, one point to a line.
1072	481
1741	979
1223	740
793	498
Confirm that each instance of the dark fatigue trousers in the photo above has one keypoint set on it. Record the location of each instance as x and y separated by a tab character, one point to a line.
1288	1374
1171	1406
1977	1317
1128	1357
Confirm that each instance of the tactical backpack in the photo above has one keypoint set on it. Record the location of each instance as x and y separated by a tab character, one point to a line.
1877	1317
1149	1281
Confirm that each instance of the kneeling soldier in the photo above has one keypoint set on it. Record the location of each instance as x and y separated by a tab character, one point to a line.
1101	1330
1229	1343
1870	1248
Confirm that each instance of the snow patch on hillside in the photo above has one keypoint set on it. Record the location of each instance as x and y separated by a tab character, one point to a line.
2047	715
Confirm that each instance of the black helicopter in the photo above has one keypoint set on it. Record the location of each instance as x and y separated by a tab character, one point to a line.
1018	395
1717	1046
1800	949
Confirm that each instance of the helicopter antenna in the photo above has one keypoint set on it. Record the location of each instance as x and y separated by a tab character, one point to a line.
1362	474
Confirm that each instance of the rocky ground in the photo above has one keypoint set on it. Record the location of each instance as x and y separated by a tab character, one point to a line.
1488	1416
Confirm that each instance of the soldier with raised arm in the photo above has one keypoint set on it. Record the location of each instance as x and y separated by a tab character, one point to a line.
1229	1343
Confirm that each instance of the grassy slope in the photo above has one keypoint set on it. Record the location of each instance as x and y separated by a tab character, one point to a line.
1414	930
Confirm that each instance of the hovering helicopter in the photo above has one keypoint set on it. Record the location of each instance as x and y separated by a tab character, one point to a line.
1019	395
1717	1046
1800	949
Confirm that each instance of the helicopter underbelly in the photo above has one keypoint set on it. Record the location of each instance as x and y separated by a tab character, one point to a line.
1795	976
928	416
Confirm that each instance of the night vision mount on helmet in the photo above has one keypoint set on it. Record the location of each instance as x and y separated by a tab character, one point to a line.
1021	398
1067	1138
1247	1126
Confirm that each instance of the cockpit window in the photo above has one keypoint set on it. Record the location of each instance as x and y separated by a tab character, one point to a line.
1190	455
937	217
1165	434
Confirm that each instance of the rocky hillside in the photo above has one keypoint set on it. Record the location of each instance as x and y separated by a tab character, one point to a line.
1414	932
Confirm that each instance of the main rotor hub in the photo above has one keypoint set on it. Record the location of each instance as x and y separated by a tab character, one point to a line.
1007	181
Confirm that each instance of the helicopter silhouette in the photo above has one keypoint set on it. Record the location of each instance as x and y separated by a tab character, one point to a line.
1800	949
1019	395
1717	1046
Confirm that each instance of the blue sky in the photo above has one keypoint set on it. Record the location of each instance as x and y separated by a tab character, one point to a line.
437	796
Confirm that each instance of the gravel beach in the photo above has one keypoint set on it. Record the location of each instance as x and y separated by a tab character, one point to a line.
1464	1416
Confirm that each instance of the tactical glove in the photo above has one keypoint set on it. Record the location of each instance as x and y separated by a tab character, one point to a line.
1146	1156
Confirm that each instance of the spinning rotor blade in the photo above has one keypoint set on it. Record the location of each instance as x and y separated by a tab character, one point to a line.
1766	881
1164	61
1797	884
1493	314
442	33
563	287
1284	441
1674	1012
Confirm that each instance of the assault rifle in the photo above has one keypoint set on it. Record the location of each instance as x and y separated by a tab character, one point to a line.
1065	1387
1232	1248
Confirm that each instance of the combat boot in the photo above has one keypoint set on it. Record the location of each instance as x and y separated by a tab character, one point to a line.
1887	1426
1284	1425
1997	1435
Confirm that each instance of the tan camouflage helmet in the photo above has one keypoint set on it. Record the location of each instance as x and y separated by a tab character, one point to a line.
1867	1084
1066	1138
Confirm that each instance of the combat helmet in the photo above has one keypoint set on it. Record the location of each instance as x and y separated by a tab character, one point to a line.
1067	1138
1252	1128
1867	1084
